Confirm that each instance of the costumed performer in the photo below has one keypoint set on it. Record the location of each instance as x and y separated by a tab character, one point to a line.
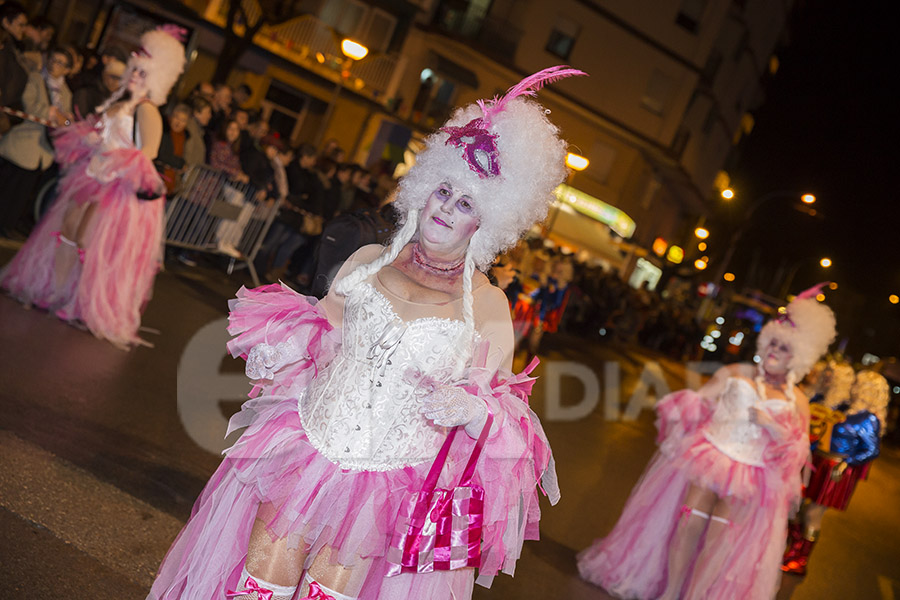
360	391
93	257
846	441
708	518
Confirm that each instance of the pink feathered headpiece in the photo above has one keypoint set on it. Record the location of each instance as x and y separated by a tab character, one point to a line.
479	144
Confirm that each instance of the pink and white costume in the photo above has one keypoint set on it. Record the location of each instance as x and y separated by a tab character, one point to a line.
335	440
121	248
710	443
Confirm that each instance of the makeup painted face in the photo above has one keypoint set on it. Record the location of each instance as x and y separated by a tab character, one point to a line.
448	221
137	84
776	356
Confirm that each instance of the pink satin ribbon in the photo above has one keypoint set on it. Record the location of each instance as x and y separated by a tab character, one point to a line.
316	593
252	586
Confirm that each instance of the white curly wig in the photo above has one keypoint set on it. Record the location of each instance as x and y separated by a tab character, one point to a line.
532	163
506	155
837	381
161	56
807	326
870	392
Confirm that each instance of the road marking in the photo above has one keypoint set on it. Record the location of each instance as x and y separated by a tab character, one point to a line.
123	533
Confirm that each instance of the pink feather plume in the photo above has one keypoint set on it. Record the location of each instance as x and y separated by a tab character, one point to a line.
813	291
528	87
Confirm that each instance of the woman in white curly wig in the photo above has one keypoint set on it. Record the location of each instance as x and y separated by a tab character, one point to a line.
708	518
397	382
94	256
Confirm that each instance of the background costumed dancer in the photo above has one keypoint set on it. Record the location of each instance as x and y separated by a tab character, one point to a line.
93	258
708	518
846	438
357	395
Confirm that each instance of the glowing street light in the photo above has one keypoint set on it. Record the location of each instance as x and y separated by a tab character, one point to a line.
699	264
701	233
353	50
807	198
820	297
728	277
833	285
728	193
825	262
576	161
701	246
894	299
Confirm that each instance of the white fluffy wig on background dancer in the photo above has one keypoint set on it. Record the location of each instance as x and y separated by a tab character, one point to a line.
708	518
361	394
93	257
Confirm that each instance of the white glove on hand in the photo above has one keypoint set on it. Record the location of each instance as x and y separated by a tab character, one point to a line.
449	406
264	360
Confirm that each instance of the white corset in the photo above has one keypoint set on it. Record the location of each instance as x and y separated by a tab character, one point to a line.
361	411
730	429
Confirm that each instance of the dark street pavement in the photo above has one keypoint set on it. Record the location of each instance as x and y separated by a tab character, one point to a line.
102	453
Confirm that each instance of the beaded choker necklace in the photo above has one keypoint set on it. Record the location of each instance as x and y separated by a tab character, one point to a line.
438	269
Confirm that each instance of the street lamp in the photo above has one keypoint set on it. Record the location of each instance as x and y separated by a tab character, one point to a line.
353	51
701	233
894	299
728	193
700	264
576	161
807	199
825	262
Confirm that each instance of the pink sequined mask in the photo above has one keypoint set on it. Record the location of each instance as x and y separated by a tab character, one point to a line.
479	147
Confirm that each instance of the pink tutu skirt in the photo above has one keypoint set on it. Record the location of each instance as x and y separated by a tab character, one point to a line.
275	474
632	560
108	286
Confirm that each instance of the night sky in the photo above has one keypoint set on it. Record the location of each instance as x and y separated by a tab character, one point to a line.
829	126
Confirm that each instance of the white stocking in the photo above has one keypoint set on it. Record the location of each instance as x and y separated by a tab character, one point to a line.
250	586
317	591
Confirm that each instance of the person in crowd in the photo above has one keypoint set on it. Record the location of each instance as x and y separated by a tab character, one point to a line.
328	493
93	67
221	108
96	93
363	197
287	235
39	34
204	90
257	155
76	59
175	138
224	154
242	116
846	440
195	145
93	257
709	516
13	71
241	96
25	150
326	169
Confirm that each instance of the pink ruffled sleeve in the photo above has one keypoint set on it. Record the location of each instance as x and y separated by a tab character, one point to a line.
273	314
75	142
680	414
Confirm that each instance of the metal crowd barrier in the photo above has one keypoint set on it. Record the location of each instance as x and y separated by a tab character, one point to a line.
213	214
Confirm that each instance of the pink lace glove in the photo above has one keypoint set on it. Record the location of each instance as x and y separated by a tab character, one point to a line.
450	405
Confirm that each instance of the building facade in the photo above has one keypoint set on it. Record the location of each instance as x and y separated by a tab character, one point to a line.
672	87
